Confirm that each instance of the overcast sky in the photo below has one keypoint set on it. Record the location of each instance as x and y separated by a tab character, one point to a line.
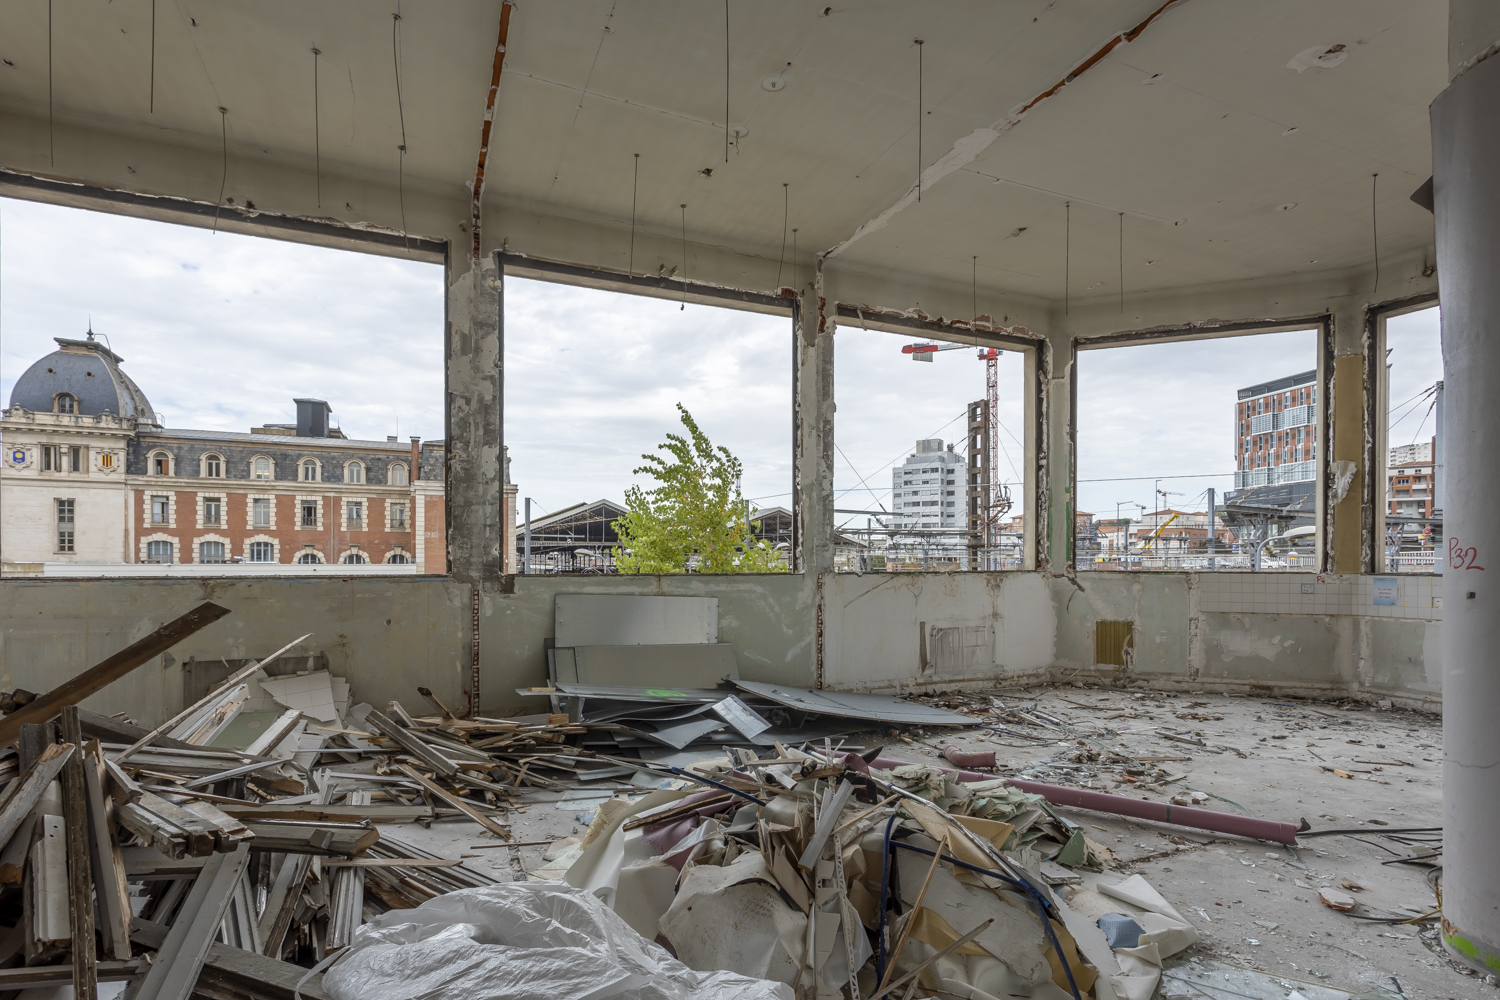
222	331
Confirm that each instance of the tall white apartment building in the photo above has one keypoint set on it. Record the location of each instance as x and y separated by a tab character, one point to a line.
928	489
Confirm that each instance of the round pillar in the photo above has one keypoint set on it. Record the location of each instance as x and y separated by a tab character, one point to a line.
1466	189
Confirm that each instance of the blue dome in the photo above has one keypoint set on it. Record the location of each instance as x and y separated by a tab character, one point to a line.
91	373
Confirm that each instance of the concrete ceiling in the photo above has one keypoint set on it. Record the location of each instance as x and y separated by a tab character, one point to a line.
1223	163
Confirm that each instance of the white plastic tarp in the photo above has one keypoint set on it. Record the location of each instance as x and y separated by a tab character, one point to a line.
521	941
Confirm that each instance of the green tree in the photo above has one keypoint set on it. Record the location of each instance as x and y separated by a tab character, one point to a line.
694	519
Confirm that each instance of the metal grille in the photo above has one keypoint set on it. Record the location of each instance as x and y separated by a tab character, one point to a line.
1111	640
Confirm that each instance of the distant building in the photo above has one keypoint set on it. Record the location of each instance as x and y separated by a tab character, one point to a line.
927	490
582	538
1275	442
1409	480
90	476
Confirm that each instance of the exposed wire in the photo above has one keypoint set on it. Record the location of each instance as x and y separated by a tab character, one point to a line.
1122	262
317	132
683	307
635	187
726	81
920	43
974	291
1374	228
152	106
796	271
224	176
51	152
1067	251
786	216
401	115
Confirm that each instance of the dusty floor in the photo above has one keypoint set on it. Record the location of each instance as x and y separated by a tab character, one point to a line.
1255	905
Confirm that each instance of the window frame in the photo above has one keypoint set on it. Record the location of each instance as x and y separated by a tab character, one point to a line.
57	404
252	545
1377	419
270	476
390	474
155	460
303	465
355	472
211	466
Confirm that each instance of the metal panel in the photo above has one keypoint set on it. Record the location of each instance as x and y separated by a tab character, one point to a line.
856	706
1111	640
700	665
630	620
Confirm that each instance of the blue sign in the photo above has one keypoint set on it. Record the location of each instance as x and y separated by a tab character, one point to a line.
18	457
1385	590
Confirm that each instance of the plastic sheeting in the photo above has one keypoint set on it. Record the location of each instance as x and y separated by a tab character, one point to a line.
521	941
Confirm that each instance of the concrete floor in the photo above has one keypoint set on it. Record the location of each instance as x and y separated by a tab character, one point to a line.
1255	905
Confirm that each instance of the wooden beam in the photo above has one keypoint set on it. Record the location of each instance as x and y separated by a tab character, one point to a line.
80	869
109	670
29	789
410	743
455	801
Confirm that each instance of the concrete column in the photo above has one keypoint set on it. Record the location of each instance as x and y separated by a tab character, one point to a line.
1056	501
815	407
473	479
1348	526
1466	187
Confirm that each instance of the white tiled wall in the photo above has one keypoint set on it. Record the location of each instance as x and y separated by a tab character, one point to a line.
1419	597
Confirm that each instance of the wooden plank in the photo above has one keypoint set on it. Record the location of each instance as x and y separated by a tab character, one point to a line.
426	754
80	880
232	974
131	750
312	813
109	670
275	733
109	864
277	918
395	863
32	786
455	801
185	948
107	729
57	975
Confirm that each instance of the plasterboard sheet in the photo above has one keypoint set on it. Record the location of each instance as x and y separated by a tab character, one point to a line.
631	620
742	717
701	665
621	692
311	694
848	705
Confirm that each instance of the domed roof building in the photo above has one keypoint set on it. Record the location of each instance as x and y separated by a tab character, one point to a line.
82	377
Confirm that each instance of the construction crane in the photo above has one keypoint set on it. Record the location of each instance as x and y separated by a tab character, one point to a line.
997	502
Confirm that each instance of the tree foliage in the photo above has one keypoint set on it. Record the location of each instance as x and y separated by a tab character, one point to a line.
694	519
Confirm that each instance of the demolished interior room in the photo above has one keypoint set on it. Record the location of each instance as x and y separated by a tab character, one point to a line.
921	501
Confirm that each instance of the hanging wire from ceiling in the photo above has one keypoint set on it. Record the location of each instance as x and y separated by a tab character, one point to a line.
1122	263
684	258
317	132
51	152
224	149
726	81
796	271
1067	251
920	43
974	292
635	187
401	113
153	58
1374	228
786	215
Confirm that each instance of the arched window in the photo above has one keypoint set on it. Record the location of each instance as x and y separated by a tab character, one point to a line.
398	475
309	470
210	552
307	558
161	464
213	467
356	473
260	468
262	552
398	557
354	558
67	403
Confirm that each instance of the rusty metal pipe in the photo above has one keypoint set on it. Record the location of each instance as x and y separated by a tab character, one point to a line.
1161	812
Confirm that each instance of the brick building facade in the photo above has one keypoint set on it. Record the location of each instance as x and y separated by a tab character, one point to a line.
90	476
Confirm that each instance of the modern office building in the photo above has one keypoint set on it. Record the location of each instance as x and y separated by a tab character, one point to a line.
1275	442
928	489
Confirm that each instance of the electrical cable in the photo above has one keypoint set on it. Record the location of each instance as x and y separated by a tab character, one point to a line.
683	307
1067	251
786	215
920	43
152	104
1375	228
726	81
401	114
51	152
635	187
224	177
1122	262
317	132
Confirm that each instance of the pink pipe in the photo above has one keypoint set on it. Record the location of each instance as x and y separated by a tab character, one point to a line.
976	758
1162	812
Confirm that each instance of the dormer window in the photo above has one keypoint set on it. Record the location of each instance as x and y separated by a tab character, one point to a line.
260	468
67	403
356	473
309	470
398	475
161	464
213	467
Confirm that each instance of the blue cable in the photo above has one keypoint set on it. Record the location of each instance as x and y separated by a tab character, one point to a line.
1043	907
709	781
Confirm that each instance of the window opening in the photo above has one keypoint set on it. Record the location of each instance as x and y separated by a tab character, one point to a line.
398	517
213	467
356	472
262	468
66	403
1414	469
354	558
930	458
398	475
213	511
308	558
262	552
309	471
161	510
260	509
161	465
309	513
355	513
159	552
211	552
1225	494
730	369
